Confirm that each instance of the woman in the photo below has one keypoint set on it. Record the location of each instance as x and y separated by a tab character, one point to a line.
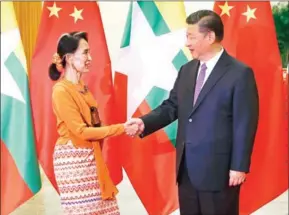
80	171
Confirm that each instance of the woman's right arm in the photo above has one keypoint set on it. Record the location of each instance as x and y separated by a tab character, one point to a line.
66	108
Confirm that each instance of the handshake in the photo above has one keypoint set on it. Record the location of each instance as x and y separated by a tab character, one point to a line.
134	127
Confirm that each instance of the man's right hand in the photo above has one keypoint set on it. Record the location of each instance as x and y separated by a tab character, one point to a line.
134	122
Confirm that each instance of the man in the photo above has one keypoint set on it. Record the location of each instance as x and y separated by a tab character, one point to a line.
215	100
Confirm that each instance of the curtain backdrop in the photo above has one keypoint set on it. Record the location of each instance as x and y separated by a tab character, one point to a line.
28	15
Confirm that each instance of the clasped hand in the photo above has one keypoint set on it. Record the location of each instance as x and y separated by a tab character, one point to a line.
134	127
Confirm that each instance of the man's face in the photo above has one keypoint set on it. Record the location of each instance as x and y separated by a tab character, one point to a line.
198	43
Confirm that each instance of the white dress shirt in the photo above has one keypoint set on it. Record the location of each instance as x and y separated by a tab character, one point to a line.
210	65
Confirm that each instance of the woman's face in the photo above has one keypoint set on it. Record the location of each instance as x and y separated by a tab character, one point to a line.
81	59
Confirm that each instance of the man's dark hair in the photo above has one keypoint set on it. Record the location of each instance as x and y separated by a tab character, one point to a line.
207	20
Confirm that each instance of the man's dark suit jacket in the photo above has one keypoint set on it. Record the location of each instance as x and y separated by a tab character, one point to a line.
218	131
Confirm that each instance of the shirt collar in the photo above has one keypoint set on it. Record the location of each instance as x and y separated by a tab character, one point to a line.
213	61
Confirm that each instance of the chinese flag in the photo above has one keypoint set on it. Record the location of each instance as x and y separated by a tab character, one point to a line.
58	18
250	37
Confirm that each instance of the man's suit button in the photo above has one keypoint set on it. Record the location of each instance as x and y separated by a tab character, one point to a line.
190	120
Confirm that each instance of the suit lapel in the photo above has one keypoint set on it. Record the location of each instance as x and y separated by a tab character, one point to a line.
190	84
219	70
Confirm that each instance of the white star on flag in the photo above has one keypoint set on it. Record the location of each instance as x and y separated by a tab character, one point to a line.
147	61
8	85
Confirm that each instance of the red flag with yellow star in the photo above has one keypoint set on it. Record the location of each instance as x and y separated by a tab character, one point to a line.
250	36
58	18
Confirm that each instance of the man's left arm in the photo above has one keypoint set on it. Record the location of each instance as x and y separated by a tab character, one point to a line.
245	120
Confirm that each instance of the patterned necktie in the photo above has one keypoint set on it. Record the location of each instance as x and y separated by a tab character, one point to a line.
200	81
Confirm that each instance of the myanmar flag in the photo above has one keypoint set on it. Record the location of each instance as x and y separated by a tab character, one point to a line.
150	57
20	175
